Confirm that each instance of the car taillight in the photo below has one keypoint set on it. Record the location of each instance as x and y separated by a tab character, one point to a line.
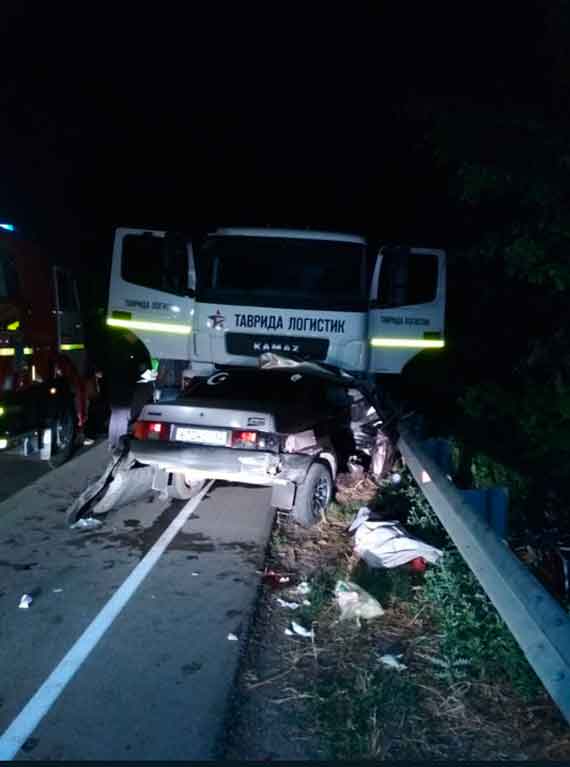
247	439
151	430
255	440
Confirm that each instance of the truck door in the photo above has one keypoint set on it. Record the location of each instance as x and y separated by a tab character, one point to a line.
407	306
68	317
152	290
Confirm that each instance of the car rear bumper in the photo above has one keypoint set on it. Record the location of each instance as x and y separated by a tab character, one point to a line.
282	472
176	456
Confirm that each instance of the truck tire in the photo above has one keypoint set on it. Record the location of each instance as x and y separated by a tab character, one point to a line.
63	435
180	488
313	495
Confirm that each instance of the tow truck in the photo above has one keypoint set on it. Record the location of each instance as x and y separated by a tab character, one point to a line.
43	389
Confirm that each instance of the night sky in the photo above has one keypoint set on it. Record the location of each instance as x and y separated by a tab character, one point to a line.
284	118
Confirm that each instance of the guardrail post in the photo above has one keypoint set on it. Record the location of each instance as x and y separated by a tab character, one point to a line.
492	505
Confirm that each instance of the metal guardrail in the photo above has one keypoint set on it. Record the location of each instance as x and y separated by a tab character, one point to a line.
536	620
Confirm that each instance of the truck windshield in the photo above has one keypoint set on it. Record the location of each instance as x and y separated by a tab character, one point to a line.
282	272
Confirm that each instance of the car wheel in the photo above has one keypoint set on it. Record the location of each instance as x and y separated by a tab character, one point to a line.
180	488
63	435
313	495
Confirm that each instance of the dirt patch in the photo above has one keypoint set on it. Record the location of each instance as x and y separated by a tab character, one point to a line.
332	697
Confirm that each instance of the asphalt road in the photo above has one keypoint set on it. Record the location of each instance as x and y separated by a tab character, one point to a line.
142	622
17	472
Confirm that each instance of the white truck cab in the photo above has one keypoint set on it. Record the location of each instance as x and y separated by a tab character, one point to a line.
240	292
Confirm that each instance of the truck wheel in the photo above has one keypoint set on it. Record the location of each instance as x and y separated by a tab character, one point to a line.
63	435
180	488
313	495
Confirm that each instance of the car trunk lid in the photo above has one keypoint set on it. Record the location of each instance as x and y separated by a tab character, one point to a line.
223	415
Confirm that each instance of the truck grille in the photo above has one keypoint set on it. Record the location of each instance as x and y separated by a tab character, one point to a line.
250	345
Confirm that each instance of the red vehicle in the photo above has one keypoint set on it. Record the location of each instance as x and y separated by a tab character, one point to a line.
43	387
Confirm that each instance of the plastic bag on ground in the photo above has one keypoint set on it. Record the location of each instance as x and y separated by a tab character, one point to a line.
354	602
289	605
296	628
393	661
86	523
387	544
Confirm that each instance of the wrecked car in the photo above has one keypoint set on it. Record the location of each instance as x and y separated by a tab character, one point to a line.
287	426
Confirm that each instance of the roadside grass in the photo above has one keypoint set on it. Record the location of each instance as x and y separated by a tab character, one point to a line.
387	586
463	693
361	707
363	711
475	641
343	512
322	584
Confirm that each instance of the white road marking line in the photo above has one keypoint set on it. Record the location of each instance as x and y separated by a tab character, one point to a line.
39	705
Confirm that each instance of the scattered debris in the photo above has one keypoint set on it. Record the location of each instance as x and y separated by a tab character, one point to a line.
25	602
300	631
275	580
355	468
233	638
354	602
302	588
123	481
387	544
391	661
86	523
375	451
288	605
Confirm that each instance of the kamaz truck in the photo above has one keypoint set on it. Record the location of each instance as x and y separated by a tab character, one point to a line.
200	305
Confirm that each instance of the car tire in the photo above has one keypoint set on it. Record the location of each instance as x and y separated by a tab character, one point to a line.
180	488
313	495
63	436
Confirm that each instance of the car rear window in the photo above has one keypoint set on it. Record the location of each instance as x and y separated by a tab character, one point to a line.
283	387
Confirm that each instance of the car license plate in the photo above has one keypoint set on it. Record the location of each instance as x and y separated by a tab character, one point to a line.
202	436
